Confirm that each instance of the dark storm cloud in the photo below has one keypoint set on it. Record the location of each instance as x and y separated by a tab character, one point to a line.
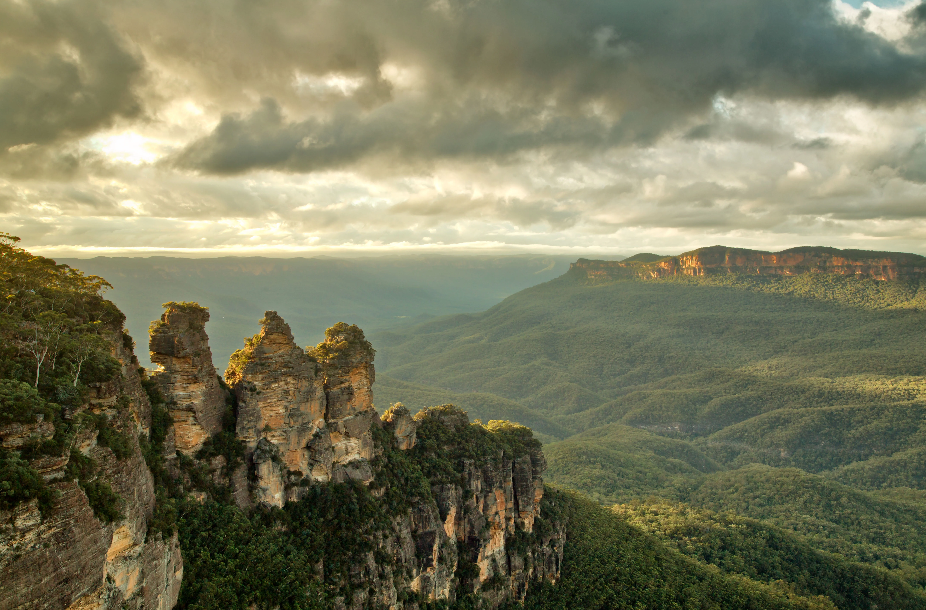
63	73
503	77
917	15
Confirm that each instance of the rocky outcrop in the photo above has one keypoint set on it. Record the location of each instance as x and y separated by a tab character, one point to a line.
186	375
347	363
68	557
307	418
479	529
718	260
304	417
400	421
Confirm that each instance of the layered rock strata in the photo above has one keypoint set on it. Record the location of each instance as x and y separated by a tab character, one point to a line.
68	558
796	261
477	534
304	417
186	375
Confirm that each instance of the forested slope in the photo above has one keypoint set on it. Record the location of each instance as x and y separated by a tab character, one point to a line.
794	400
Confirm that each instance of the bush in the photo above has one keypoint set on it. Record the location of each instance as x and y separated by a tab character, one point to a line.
103	500
21	403
19	482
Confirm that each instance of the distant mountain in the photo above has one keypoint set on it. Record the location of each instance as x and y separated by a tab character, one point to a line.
720	260
312	293
786	387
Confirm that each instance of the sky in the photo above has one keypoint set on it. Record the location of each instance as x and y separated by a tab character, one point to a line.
300	127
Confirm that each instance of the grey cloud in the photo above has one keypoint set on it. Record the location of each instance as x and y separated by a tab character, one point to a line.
63	73
505	77
917	15
821	143
740	130
520	212
910	162
407	132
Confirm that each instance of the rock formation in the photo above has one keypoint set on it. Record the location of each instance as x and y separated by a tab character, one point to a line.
68	558
187	377
303	416
307	418
796	261
399	420
495	503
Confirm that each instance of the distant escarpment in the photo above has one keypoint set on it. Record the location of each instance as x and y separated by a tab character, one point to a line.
720	260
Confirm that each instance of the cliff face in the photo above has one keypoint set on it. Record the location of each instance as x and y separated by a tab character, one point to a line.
796	261
491	513
69	558
187	378
300	418
477	531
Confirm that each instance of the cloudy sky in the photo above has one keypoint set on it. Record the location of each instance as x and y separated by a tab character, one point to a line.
299	126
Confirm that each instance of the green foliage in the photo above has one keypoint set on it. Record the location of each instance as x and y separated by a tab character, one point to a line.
103	500
239	360
617	463
271	558
342	342
108	436
861	526
19	482
106	503
768	554
20	402
397	477
447	440
185	306
610	564
55	330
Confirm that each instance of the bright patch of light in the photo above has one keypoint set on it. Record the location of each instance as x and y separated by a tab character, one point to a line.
401	77
131	205
127	147
332	83
889	22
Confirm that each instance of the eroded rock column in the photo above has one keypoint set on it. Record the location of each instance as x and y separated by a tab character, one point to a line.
347	362
281	410
186	376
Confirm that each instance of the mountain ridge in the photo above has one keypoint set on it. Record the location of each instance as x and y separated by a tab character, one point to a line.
714	260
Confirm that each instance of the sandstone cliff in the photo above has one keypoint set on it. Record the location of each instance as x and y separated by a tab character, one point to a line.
718	260
186	375
69	557
303	415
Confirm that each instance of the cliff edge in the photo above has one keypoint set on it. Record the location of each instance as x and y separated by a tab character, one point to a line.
721	260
